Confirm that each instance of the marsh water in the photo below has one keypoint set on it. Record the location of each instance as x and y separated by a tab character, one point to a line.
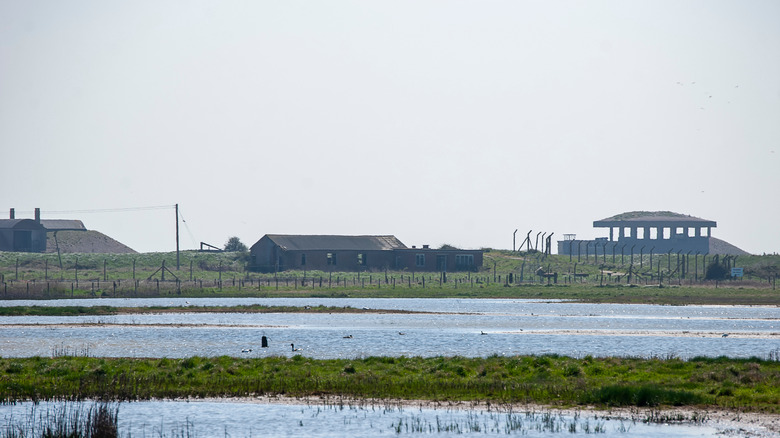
236	419
465	327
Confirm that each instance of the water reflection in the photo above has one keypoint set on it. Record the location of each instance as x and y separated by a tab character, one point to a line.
243	419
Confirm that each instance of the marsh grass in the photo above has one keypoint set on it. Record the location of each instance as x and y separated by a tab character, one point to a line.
720	382
67	420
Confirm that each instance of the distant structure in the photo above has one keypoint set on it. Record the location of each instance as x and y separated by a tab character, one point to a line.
54	235
280	252
642	232
22	235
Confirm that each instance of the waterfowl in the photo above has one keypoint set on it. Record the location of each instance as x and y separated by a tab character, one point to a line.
348	337
293	348
401	333
482	333
246	350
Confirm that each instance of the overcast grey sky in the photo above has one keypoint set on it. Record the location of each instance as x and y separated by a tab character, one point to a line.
436	121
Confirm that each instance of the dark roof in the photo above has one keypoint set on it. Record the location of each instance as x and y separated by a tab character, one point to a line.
329	242
20	223
653	219
63	224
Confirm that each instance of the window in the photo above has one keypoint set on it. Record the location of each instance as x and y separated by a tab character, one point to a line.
331	258
361	259
464	261
419	260
303	259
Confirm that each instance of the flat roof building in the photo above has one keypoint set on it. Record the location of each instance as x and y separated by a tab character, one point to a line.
658	231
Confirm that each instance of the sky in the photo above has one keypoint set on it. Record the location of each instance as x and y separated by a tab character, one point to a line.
438	122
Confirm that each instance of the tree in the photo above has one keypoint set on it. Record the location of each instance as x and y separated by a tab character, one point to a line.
234	244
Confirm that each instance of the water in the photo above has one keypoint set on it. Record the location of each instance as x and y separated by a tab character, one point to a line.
236	419
510	327
454	327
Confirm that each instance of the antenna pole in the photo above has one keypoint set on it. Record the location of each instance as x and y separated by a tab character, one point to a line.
177	237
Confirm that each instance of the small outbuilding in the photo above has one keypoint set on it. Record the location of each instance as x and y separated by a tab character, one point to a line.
22	235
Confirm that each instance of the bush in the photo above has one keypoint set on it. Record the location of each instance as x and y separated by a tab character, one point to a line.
716	271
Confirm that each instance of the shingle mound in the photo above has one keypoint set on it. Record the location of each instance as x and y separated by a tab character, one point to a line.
84	242
718	246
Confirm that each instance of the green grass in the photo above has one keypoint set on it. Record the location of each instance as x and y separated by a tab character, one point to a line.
750	384
223	275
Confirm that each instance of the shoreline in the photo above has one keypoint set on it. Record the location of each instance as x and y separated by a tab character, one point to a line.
727	422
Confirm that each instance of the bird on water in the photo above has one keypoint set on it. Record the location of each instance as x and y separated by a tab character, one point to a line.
295	349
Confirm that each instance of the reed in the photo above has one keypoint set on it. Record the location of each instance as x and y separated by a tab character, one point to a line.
69	420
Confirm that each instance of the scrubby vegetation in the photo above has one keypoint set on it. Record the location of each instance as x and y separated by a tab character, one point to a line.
553	380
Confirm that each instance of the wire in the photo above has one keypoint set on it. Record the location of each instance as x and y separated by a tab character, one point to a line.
194	244
104	210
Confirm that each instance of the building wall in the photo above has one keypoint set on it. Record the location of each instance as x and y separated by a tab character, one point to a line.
25	236
629	244
435	260
266	256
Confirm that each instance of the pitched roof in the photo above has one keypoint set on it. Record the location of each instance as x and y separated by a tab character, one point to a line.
63	224
331	242
653	218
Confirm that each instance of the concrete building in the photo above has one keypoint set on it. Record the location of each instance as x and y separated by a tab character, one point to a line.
279	252
642	232
22	235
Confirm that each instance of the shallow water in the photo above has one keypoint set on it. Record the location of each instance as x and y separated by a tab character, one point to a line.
236	419
511	327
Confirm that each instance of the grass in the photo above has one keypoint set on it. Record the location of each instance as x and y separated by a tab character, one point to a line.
109	310
659	281
67	421
750	384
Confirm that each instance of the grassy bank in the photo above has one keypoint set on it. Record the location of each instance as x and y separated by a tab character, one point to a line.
748	384
661	279
109	310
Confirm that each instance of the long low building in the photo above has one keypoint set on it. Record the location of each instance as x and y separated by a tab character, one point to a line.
280	252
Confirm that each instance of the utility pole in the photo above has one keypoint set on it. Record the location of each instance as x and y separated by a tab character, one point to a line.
177	237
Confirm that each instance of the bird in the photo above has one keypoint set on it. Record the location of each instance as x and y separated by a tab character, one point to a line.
724	335
482	333
348	337
293	348
401	333
246	350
